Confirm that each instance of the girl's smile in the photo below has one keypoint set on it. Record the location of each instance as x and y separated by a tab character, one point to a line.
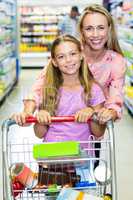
67	58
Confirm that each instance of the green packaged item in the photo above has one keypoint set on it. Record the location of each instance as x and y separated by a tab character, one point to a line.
53	149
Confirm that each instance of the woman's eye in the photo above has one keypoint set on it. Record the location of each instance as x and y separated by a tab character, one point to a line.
101	27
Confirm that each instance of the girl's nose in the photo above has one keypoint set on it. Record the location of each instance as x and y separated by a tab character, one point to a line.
68	58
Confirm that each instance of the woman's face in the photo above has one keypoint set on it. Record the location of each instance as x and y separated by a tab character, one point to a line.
67	58
95	31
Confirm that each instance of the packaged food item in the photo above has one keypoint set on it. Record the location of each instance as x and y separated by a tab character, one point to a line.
70	194
60	174
17	188
102	174
24	175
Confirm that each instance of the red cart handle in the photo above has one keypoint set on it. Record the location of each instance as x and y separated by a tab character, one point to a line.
32	119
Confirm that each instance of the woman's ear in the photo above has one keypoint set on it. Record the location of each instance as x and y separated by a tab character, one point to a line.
54	62
81	56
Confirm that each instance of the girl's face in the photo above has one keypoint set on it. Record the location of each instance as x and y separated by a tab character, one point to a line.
95	30
67	58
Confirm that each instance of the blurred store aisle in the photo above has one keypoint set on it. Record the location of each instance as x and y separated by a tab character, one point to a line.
123	132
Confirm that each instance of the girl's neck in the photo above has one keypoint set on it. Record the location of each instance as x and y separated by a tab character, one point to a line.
71	82
94	56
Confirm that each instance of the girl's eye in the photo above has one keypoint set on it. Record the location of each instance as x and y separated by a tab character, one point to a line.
60	57
73	53
89	29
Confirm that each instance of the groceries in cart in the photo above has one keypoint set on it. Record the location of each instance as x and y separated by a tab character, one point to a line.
24	175
71	194
47	150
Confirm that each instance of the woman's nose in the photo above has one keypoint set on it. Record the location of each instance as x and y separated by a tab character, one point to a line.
95	32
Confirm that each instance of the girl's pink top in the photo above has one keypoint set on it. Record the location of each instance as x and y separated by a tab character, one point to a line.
70	102
109	73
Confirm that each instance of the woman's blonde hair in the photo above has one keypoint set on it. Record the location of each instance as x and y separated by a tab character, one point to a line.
54	78
112	42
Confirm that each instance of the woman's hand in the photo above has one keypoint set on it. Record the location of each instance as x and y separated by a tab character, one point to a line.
106	114
43	117
84	114
20	117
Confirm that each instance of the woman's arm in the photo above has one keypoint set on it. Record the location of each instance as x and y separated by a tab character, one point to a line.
36	91
115	98
96	128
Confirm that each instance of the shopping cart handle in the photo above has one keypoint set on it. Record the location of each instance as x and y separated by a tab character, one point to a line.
32	119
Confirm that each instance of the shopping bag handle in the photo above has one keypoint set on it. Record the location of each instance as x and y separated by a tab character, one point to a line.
32	119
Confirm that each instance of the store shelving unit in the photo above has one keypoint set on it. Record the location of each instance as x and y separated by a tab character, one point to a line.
39	27
123	14
9	64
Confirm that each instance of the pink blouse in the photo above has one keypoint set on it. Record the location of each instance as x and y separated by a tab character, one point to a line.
109	73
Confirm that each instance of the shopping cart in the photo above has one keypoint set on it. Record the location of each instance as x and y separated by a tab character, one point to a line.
15	153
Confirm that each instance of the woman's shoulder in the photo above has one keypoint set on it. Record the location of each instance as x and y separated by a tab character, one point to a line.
115	56
118	63
95	87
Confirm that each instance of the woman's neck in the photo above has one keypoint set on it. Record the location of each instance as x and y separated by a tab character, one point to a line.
94	56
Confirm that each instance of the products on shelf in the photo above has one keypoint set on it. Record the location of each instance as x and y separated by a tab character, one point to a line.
8	53
38	29
123	14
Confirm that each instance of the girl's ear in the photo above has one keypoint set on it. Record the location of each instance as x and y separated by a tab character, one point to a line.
54	62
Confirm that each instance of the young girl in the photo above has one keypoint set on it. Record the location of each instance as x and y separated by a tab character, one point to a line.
104	58
69	89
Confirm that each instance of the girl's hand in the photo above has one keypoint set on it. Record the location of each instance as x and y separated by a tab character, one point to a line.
43	117
106	114
20	117
84	114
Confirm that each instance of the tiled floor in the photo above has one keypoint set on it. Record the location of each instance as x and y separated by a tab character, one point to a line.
123	132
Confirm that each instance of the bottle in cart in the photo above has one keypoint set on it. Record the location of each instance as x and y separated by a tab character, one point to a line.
24	175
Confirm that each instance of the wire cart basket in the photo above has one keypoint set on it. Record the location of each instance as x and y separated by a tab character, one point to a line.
27	176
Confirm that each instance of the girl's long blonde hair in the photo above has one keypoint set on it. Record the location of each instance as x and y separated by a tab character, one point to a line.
112	42
54	79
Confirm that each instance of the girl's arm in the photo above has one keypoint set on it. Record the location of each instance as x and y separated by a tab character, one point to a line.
44	119
40	130
29	108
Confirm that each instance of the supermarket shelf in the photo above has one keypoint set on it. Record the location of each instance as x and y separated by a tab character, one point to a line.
9	56
38	33
8	90
35	55
129	104
34	59
131	79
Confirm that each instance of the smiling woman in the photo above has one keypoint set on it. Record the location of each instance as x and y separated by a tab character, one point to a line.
104	57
